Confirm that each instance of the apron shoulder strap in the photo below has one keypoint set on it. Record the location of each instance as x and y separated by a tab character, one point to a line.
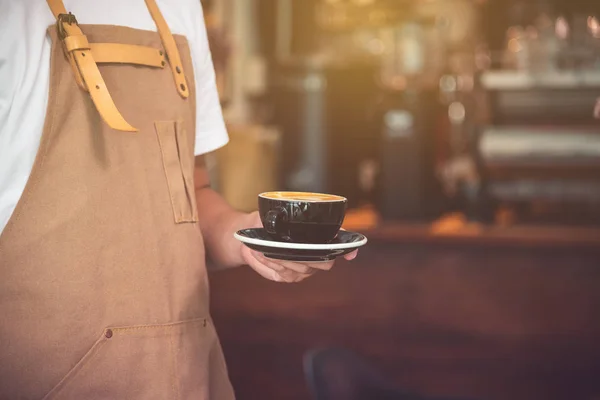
88	77
77	49
170	48
57	7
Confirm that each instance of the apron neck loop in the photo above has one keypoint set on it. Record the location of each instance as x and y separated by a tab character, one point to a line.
57	7
60	13
77	50
170	48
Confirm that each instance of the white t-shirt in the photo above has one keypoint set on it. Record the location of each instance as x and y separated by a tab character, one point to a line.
25	71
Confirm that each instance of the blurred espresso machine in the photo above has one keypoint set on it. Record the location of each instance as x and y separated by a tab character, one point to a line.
540	143
355	88
320	93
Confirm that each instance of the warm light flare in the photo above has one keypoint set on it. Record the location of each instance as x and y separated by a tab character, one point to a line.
514	45
594	26
561	28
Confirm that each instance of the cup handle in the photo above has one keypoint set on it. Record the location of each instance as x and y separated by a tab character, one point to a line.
272	219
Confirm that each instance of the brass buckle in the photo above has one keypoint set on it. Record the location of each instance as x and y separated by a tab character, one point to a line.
64	19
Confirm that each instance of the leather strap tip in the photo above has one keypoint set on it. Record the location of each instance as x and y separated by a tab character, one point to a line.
121	125
127	129
183	91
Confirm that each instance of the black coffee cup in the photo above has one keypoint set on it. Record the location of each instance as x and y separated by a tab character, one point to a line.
302	217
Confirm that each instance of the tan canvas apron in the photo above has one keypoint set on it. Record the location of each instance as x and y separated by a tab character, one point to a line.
103	286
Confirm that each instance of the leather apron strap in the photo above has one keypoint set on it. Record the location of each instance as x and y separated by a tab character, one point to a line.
77	50
170	47
119	53
84	57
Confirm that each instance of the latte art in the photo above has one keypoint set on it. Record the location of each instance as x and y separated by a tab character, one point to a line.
302	196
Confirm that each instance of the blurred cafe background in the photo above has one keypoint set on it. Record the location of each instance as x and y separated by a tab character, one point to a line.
462	134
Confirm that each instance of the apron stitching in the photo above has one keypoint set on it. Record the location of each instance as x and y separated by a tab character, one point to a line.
158	326
182	141
162	153
83	364
179	158
183	178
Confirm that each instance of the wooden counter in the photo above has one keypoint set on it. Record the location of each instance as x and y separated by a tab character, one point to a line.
440	315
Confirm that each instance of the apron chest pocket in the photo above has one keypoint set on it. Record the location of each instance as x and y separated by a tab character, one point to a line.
178	163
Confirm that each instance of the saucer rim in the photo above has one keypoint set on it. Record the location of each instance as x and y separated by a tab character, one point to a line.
300	246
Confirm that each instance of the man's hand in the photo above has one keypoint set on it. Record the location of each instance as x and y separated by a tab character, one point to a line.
219	221
597	109
279	270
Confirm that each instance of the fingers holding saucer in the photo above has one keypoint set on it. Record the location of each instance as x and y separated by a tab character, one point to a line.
280	264
275	271
261	269
351	256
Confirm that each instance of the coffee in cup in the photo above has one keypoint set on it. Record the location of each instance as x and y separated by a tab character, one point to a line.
302	217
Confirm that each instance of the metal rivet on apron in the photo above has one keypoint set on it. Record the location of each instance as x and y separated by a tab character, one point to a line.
162	63
160	52
182	86
108	333
178	70
97	87
83	54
